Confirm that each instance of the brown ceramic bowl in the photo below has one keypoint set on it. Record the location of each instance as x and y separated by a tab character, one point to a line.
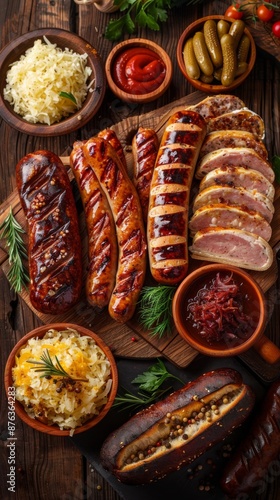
63	39
215	87
144	96
54	429
253	304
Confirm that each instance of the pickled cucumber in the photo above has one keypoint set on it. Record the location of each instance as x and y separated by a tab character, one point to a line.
202	54
192	67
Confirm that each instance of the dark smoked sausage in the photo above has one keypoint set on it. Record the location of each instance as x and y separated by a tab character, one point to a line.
54	244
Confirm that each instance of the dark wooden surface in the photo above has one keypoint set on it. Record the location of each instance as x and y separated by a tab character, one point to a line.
48	467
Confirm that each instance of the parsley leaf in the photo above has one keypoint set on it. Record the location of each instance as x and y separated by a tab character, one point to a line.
154	377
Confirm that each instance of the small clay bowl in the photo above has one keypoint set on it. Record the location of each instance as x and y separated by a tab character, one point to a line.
63	39
144	96
215	87
253	304
54	429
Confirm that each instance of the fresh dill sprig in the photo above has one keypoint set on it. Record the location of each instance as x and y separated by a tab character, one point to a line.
50	369
155	311
11	231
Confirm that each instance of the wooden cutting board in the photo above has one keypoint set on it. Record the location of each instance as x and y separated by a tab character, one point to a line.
130	340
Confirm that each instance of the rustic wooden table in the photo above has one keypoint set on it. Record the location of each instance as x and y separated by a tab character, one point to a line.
54	468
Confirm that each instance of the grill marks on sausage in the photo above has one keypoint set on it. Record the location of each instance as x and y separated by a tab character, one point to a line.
144	149
55	265
126	209
169	196
102	244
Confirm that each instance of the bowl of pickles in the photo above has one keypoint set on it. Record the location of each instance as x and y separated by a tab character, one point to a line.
216	53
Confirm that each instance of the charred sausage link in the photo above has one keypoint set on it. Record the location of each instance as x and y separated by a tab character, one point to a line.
246	471
102	242
126	209
110	136
145	145
170	194
54	246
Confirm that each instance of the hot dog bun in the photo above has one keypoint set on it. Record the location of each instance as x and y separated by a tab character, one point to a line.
173	432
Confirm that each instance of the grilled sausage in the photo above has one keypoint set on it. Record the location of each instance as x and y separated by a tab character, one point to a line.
54	244
144	149
170	194
125	205
256	456
110	136
149	435
102	241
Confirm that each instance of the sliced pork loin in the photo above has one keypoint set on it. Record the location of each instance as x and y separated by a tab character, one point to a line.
235	196
222	215
216	105
232	139
238	177
232	246
242	157
241	119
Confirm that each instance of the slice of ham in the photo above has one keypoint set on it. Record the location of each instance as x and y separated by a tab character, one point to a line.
240	119
252	200
226	216
232	139
239	156
216	105
235	176
232	246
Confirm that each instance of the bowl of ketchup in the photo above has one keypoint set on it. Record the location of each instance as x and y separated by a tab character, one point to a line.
220	310
138	70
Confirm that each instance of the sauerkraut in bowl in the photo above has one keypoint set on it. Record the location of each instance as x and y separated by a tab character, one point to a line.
52	82
64	379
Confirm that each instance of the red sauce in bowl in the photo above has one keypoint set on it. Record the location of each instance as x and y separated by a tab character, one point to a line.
138	70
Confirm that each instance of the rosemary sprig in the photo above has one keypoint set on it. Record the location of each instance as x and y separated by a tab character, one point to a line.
128	400
155	312
50	369
68	95
11	231
149	383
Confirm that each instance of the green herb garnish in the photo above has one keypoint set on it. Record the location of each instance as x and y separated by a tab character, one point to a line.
68	95
276	167
50	369
149	383
155	312
154	377
142	13
11	231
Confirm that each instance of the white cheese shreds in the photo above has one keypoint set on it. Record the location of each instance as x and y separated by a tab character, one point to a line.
55	400
35	81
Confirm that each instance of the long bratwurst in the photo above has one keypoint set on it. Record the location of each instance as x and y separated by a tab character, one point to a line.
169	196
102	241
131	238
54	244
177	430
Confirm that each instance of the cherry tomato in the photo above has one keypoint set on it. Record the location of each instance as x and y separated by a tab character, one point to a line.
234	12
264	14
276	29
